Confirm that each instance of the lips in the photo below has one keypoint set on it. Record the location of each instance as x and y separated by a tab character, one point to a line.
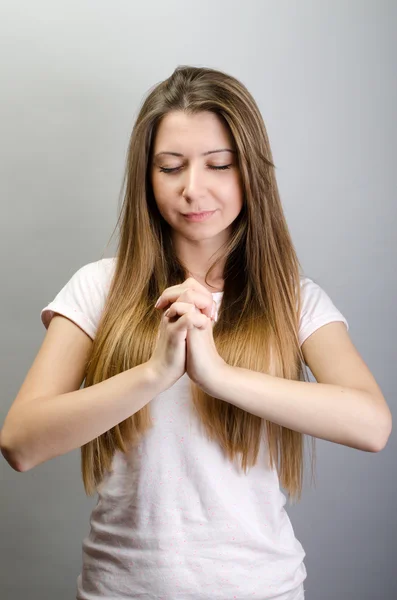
204	212
199	216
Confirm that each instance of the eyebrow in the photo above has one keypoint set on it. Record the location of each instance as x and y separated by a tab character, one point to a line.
204	153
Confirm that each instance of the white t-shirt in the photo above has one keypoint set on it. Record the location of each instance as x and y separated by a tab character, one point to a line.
176	520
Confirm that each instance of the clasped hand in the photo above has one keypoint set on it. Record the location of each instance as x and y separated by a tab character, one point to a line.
203	363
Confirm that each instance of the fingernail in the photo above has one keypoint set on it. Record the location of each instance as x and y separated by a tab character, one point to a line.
166	312
157	303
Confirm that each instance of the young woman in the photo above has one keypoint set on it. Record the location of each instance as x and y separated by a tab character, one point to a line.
192	344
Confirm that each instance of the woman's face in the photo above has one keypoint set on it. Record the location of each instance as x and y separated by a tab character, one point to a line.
195	170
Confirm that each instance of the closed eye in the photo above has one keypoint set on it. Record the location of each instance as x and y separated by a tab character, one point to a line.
175	169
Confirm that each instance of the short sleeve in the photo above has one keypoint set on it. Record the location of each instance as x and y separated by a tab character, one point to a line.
317	309
82	298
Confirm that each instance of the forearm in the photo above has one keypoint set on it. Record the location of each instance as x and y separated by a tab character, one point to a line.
334	413
37	430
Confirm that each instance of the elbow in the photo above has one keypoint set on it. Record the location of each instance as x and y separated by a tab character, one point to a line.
10	455
12	461
383	432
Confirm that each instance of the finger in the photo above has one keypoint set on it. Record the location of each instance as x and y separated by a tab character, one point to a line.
190	320
202	301
189	315
178	309
171	293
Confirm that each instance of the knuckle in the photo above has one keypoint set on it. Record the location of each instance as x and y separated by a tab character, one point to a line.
192	319
189	294
203	319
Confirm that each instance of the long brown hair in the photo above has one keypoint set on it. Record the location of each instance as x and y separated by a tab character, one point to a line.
258	321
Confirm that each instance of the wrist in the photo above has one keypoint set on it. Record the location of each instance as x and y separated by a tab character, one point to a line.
155	378
158	377
214	382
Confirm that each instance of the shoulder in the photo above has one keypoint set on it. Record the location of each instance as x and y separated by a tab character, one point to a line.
105	270
83	296
92	279
317	308
97	274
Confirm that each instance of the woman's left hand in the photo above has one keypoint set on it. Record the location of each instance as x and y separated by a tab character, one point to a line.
203	363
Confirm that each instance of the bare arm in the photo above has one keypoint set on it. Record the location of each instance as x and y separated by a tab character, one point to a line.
40	429
52	416
345	406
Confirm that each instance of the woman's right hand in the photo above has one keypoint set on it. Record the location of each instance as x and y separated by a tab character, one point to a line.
168	361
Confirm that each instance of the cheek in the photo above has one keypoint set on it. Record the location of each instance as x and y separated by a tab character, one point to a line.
155	186
159	192
163	188
163	199
232	194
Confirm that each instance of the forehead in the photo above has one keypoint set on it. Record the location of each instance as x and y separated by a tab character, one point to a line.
179	131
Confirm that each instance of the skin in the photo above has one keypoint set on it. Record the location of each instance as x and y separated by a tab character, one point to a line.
195	186
346	406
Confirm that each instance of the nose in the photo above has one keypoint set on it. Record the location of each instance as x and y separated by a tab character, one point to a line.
193	184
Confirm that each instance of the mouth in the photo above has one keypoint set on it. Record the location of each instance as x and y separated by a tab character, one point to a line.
202	216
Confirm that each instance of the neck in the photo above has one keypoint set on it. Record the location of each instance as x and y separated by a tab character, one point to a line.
197	257
212	284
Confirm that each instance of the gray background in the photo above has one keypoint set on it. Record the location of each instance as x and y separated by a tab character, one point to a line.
73	74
